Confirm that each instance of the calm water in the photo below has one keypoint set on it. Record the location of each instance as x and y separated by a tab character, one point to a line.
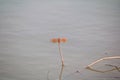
26	27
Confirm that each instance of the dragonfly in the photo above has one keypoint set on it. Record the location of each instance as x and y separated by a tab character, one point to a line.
59	40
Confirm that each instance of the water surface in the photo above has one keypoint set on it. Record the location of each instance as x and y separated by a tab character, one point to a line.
26	27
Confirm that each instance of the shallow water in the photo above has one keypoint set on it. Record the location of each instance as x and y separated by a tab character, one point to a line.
26	27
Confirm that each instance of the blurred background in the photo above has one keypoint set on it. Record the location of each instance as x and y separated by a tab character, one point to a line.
92	28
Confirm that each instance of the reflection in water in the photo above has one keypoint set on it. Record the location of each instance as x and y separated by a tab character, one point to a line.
105	58
61	72
48	75
116	67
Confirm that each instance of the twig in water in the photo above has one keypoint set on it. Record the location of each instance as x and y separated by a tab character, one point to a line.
105	58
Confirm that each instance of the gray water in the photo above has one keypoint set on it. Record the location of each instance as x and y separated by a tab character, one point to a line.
92	28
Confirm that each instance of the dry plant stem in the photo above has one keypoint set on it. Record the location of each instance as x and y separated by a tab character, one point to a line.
105	58
62	59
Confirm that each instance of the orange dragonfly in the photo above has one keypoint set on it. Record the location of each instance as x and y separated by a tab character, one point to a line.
59	40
